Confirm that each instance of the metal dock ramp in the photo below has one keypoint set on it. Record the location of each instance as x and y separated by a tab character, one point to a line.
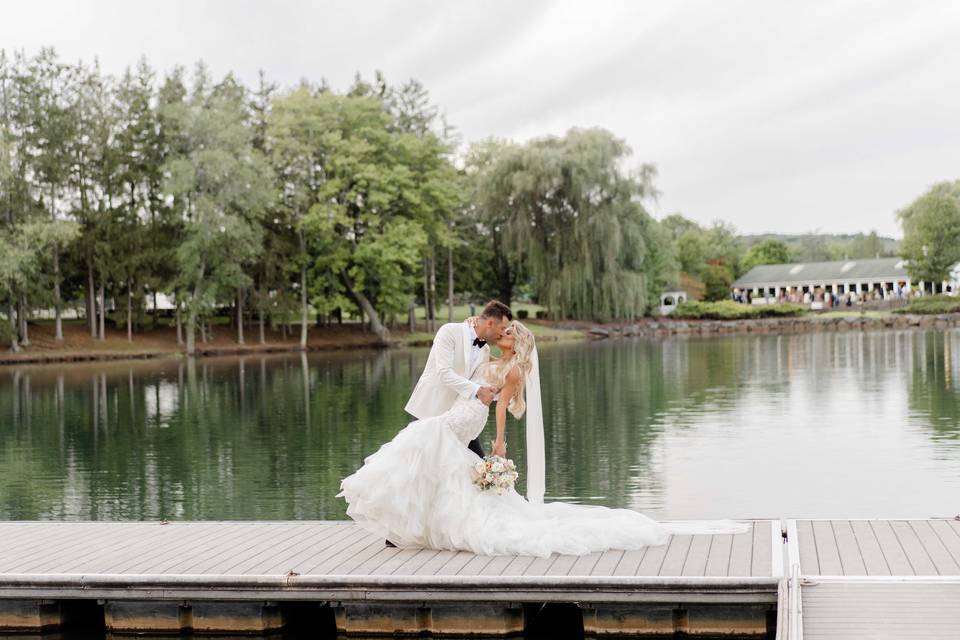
871	579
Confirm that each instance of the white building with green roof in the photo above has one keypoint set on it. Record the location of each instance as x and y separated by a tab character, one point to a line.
887	277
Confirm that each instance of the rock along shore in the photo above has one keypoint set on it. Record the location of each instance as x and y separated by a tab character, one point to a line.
663	327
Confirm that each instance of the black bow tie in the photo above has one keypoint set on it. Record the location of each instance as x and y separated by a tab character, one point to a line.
477	342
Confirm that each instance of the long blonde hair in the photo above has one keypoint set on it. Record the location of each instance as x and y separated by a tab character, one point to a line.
498	370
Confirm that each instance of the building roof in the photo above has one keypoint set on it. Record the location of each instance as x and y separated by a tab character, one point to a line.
839	271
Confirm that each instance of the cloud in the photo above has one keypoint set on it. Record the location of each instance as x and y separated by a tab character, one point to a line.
773	116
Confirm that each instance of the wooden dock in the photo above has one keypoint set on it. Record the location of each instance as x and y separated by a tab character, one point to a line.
228	577
789	579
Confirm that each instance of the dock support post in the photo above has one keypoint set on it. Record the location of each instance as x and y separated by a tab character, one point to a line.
166	616
145	616
441	619
666	620
29	615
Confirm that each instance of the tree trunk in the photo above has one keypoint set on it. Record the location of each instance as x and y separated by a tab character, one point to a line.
192	314
263	338
433	289
450	283
103	310
383	335
24	325
426	295
156	313
129	311
412	316
58	336
239	316
92	295
12	318
303	308
179	325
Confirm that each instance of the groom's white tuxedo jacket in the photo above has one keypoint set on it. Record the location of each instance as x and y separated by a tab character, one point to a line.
447	374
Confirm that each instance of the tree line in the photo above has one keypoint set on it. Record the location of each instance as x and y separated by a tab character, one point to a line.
269	203
304	201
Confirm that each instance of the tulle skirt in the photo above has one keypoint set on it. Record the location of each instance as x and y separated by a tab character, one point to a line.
416	491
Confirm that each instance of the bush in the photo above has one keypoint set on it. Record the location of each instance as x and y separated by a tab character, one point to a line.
730	310
931	305
522	314
541	314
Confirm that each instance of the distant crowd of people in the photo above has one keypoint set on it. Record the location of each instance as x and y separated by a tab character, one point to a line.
828	299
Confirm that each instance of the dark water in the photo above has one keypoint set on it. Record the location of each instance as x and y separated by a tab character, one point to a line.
830	425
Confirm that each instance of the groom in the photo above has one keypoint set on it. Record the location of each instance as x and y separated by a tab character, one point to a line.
458	349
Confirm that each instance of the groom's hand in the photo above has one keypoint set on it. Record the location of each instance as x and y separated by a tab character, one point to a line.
485	395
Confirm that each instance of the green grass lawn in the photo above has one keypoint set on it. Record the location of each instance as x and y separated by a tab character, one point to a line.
851	313
462	311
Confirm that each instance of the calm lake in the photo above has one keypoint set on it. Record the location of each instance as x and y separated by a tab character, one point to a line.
830	425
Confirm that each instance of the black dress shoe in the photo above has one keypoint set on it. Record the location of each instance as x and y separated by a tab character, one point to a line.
388	543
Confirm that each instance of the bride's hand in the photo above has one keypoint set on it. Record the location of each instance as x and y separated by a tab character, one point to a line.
500	448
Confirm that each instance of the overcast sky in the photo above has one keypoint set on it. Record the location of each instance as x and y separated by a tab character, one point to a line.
774	116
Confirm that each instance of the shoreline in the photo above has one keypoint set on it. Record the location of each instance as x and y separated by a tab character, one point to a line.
856	321
158	344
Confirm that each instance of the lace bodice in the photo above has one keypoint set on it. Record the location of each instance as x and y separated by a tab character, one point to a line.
467	417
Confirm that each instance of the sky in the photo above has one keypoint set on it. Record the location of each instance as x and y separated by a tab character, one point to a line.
783	117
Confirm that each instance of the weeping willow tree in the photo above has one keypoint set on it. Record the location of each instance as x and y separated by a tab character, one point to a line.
573	220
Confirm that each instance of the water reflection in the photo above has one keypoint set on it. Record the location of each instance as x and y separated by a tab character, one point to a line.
832	424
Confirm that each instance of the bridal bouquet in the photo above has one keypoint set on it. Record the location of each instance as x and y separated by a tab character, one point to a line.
494	472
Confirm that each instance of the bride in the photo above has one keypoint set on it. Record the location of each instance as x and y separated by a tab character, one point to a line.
417	490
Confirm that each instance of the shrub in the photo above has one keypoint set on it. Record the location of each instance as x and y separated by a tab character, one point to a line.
931	305
730	310
522	314
541	314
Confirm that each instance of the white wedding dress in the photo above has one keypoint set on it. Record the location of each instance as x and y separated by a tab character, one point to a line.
417	491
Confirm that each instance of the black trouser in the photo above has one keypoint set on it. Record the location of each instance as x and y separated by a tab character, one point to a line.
475	447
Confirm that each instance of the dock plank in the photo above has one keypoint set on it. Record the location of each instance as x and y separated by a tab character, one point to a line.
948	537
348	564
474	565
85	550
871	554
540	566
496	566
519	566
171	546
561	566
267	551
695	563
585	564
919	559
607	563
630	562
741	553
718	562
809	563
828	555
892	550
327	548
171	557
416	561
761	562
653	559
943	561
676	555
453	566
367	567
851	557
293	560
